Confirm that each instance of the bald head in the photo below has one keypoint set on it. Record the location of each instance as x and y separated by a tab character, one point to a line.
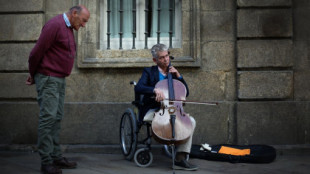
78	16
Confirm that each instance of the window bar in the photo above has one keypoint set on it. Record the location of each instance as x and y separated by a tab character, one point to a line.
121	24
108	29
134	23
146	33
158	22
170	22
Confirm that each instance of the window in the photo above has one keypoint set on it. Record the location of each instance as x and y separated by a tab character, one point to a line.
92	40
146	20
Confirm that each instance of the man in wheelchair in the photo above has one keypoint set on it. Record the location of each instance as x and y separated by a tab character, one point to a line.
146	86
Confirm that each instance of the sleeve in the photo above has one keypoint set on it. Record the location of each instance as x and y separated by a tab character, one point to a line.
143	85
46	39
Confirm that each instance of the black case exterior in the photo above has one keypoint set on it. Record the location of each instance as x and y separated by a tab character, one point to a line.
259	153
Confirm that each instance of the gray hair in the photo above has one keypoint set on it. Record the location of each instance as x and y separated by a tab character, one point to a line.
77	8
158	48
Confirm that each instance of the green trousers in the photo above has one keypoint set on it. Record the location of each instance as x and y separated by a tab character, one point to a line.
51	95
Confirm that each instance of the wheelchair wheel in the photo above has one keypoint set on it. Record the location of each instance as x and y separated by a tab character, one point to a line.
143	157
128	135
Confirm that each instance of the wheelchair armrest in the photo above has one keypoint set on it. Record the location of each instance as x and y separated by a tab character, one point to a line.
138	100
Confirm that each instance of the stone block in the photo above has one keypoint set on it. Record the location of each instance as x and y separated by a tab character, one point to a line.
217	26
58	6
101	86
265	85
263	3
217	5
206	86
18	122
21	5
13	86
301	55
14	57
272	123
301	24
87	123
92	123
264	23
218	56
302	85
26	27
214	124
302	114
265	53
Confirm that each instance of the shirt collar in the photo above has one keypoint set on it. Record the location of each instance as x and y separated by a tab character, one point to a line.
66	20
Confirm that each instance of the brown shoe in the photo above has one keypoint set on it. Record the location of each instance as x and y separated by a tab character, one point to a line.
50	169
63	163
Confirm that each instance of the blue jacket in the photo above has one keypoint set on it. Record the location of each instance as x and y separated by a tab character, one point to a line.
146	85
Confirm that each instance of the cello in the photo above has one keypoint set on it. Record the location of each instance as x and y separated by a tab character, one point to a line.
171	125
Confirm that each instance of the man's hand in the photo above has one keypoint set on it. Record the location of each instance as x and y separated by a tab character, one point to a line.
172	70
159	95
29	81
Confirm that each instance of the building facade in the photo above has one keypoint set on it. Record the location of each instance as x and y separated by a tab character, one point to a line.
252	57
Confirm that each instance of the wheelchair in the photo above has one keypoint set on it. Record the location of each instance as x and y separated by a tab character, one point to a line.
130	126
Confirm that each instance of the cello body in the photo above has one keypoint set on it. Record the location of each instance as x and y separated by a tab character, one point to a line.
163	130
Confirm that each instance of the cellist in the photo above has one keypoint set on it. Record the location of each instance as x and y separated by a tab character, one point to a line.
146	86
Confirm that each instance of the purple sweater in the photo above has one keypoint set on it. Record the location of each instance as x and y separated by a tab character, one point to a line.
54	52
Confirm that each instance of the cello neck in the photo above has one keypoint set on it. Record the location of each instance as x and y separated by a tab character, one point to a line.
170	83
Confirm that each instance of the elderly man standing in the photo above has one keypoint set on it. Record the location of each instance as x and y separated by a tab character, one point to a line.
50	61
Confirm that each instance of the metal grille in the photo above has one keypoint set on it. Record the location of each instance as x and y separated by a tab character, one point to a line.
147	10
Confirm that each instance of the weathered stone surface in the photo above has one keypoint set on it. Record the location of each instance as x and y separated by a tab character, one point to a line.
205	86
108	86
58	6
14	56
263	3
19	122
217	26
265	53
218	56
301	55
13	86
264	23
87	123
214	124
82	87
215	5
265	85
26	27
98	123
273	122
301	24
21	5
302	85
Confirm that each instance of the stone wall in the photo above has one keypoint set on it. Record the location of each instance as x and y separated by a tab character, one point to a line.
254	61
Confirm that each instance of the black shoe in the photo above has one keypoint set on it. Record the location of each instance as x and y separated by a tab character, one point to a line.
63	163
184	165
50	169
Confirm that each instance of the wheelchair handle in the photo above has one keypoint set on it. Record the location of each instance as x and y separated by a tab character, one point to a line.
133	83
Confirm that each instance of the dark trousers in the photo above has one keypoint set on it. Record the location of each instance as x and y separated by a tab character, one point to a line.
51	95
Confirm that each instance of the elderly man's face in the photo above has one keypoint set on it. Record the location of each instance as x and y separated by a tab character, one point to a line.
80	20
163	59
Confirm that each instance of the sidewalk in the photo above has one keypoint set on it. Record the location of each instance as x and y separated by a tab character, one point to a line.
287	161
